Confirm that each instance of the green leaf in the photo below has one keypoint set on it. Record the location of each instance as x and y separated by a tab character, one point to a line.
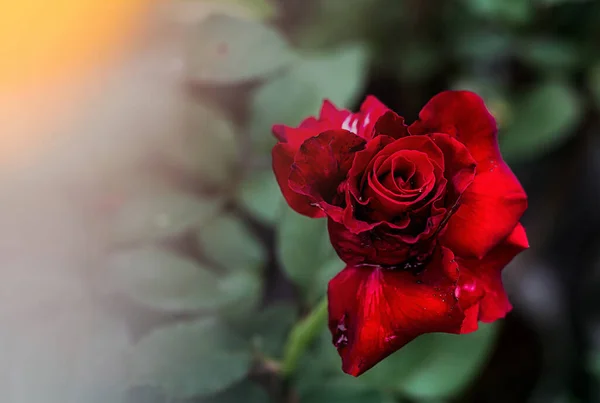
206	146
392	372
226	50
342	390
338	76
484	45
156	211
426	368
269	329
303	247
260	196
165	281
325	272
194	11
246	391
190	359
251	9
542	120
510	11
436	376
335	22
550	55
227	241
242	293
418	62
319	366
594	83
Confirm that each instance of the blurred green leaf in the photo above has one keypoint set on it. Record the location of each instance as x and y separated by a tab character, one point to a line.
260	196
511	11
297	234
418	62
342	390
259	9
165	281
334	22
197	10
326	272
436	376
483	45
269	329
147	212
542	120
227	50
206	147
550	3
227	241
246	392
426	368
338	76
549	55
242	292
594	83
319	365
392	372
190	359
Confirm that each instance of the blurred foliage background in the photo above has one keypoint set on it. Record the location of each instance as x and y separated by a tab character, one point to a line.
177	274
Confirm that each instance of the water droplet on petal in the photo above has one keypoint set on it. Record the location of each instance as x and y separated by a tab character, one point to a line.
340	339
390	338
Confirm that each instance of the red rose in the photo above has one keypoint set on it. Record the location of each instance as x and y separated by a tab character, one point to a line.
425	217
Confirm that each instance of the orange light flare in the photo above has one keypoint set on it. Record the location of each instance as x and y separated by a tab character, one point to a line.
48	49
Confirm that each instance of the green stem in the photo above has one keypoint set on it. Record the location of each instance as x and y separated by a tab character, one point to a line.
302	334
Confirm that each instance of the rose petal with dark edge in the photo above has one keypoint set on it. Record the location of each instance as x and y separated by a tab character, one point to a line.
385	244
464	116
296	136
362	160
321	165
373	312
484	276
489	210
391	124
283	158
459	165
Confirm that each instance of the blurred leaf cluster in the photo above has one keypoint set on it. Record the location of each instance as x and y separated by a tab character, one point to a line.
209	268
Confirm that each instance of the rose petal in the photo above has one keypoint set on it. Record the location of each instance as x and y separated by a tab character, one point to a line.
471	322
362	160
360	123
487	275
321	165
374	312
283	158
296	136
394	165
459	164
392	125
382	243
385	203
423	144
489	210
462	115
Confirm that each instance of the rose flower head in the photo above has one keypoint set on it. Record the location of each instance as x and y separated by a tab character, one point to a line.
425	216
